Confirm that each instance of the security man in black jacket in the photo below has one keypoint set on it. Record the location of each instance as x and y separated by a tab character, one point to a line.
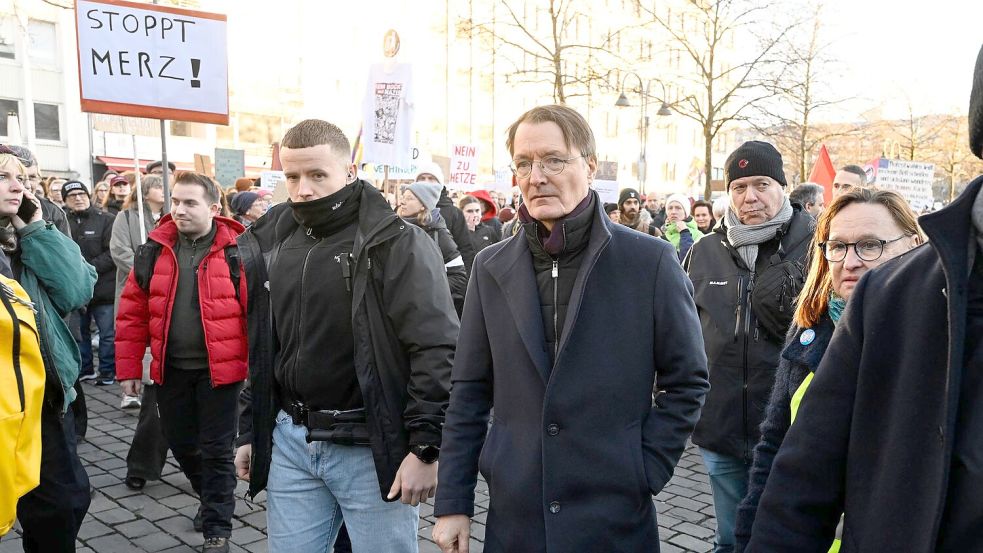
747	274
351	340
92	230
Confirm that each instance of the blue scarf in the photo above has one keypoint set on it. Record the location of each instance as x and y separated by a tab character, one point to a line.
836	305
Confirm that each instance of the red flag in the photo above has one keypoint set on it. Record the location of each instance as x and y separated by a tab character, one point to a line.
823	173
275	164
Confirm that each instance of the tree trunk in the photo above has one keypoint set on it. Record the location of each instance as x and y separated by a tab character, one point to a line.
707	163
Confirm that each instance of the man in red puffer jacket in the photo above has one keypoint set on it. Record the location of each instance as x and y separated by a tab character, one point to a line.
182	297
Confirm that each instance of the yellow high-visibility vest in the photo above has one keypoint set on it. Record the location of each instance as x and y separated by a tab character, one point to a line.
800	392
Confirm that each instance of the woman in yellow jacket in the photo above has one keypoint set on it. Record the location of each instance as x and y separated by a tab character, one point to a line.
21	369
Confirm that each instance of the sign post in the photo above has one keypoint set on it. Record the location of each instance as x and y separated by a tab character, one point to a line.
159	62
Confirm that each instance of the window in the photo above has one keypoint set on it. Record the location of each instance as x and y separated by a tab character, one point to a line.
46	125
8	29
6	107
43	43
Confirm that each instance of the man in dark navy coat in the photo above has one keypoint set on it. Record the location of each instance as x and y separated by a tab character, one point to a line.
592	407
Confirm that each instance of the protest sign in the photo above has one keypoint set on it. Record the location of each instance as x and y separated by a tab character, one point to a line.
145	60
269	180
464	167
229	165
912	179
606	181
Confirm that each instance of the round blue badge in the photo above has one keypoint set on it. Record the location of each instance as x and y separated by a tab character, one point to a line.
808	335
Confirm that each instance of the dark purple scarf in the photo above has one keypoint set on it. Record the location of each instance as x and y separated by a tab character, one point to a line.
554	242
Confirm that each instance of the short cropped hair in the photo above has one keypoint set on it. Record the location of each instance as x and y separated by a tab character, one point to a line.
576	132
316	132
806	193
212	192
856	170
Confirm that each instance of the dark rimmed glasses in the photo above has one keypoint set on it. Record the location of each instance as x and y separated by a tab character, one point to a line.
868	249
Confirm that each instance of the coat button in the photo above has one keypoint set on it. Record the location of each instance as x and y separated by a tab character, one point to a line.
555	507
553	429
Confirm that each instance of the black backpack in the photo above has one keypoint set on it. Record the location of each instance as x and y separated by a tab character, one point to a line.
146	258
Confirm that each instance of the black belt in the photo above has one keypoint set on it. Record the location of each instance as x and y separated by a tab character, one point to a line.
340	427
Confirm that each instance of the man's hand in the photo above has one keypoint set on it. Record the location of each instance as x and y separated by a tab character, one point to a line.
415	480
243	455
20	223
452	533
131	387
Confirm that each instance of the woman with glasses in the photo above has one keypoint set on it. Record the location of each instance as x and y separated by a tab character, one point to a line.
859	231
119	191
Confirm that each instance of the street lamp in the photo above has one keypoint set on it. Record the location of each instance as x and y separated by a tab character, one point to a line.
643	122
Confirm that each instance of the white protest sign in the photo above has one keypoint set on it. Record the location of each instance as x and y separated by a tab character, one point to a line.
912	179
268	180
152	61
464	167
606	181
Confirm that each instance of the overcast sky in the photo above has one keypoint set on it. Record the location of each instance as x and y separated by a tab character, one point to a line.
891	48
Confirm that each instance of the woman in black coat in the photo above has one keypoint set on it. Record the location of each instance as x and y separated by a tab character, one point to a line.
836	264
418	205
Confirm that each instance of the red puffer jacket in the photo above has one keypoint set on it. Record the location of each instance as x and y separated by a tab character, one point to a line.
142	317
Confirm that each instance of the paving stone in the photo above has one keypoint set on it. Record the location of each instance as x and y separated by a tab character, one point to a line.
93	529
156	542
115	516
690	543
113	543
137	529
247	534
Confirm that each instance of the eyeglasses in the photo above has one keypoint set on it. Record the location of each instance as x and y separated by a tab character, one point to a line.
115	184
549	166
870	249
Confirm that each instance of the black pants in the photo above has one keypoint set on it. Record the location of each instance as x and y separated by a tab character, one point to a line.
148	451
200	425
52	513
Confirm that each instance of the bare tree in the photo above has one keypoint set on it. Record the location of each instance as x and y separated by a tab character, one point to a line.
723	87
554	43
916	134
802	90
951	154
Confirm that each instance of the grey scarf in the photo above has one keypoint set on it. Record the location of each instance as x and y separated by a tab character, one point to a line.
746	238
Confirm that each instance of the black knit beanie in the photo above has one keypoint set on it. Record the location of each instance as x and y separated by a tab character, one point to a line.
627	194
754	159
976	109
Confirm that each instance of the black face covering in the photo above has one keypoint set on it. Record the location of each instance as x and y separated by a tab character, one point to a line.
326	215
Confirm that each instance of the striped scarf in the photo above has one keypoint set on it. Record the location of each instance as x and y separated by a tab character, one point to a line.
746	238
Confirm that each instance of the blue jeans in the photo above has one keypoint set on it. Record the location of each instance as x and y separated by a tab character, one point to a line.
728	481
103	315
315	486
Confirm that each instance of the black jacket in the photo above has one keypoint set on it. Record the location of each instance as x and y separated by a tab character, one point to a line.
576	450
457	274
742	356
482	237
404	326
874	435
53	214
454	218
92	230
798	361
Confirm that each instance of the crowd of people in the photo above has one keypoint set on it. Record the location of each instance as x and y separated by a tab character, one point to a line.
346	352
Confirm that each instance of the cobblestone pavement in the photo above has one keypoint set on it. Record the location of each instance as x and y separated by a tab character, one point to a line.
158	518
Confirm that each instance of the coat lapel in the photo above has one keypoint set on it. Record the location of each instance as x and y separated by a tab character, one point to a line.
600	235
512	268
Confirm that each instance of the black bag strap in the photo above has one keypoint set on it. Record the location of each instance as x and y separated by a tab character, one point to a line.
144	262
5	294
232	259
